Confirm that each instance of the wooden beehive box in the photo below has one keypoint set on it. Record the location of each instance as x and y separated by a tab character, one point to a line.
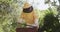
26	30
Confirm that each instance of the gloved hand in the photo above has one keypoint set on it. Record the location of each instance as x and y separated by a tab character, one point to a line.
21	21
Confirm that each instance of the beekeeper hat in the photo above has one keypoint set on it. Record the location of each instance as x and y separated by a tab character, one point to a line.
27	5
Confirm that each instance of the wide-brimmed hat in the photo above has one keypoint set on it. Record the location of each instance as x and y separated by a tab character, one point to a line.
27	5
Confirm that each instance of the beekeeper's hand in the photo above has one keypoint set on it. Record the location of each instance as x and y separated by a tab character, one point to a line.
20	21
36	24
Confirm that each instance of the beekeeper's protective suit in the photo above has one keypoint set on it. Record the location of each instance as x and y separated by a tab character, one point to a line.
29	16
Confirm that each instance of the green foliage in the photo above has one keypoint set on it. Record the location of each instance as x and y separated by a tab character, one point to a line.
9	14
50	21
43	13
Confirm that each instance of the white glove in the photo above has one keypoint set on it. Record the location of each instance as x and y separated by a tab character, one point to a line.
20	21
36	23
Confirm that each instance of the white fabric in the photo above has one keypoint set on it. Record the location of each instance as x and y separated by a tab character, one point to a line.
20	20
36	23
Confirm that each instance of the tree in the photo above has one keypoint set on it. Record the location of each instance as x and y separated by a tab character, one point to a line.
9	13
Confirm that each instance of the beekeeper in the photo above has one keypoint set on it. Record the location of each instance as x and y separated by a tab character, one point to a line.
29	16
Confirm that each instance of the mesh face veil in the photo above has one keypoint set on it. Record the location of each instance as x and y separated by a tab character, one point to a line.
28	10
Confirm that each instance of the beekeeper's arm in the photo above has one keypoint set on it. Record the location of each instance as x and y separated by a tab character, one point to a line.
36	18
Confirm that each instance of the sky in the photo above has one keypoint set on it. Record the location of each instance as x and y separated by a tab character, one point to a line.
39	4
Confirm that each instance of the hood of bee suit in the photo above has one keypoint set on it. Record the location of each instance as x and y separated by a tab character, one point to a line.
27	8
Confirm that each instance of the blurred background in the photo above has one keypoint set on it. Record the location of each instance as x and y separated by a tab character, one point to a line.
47	10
